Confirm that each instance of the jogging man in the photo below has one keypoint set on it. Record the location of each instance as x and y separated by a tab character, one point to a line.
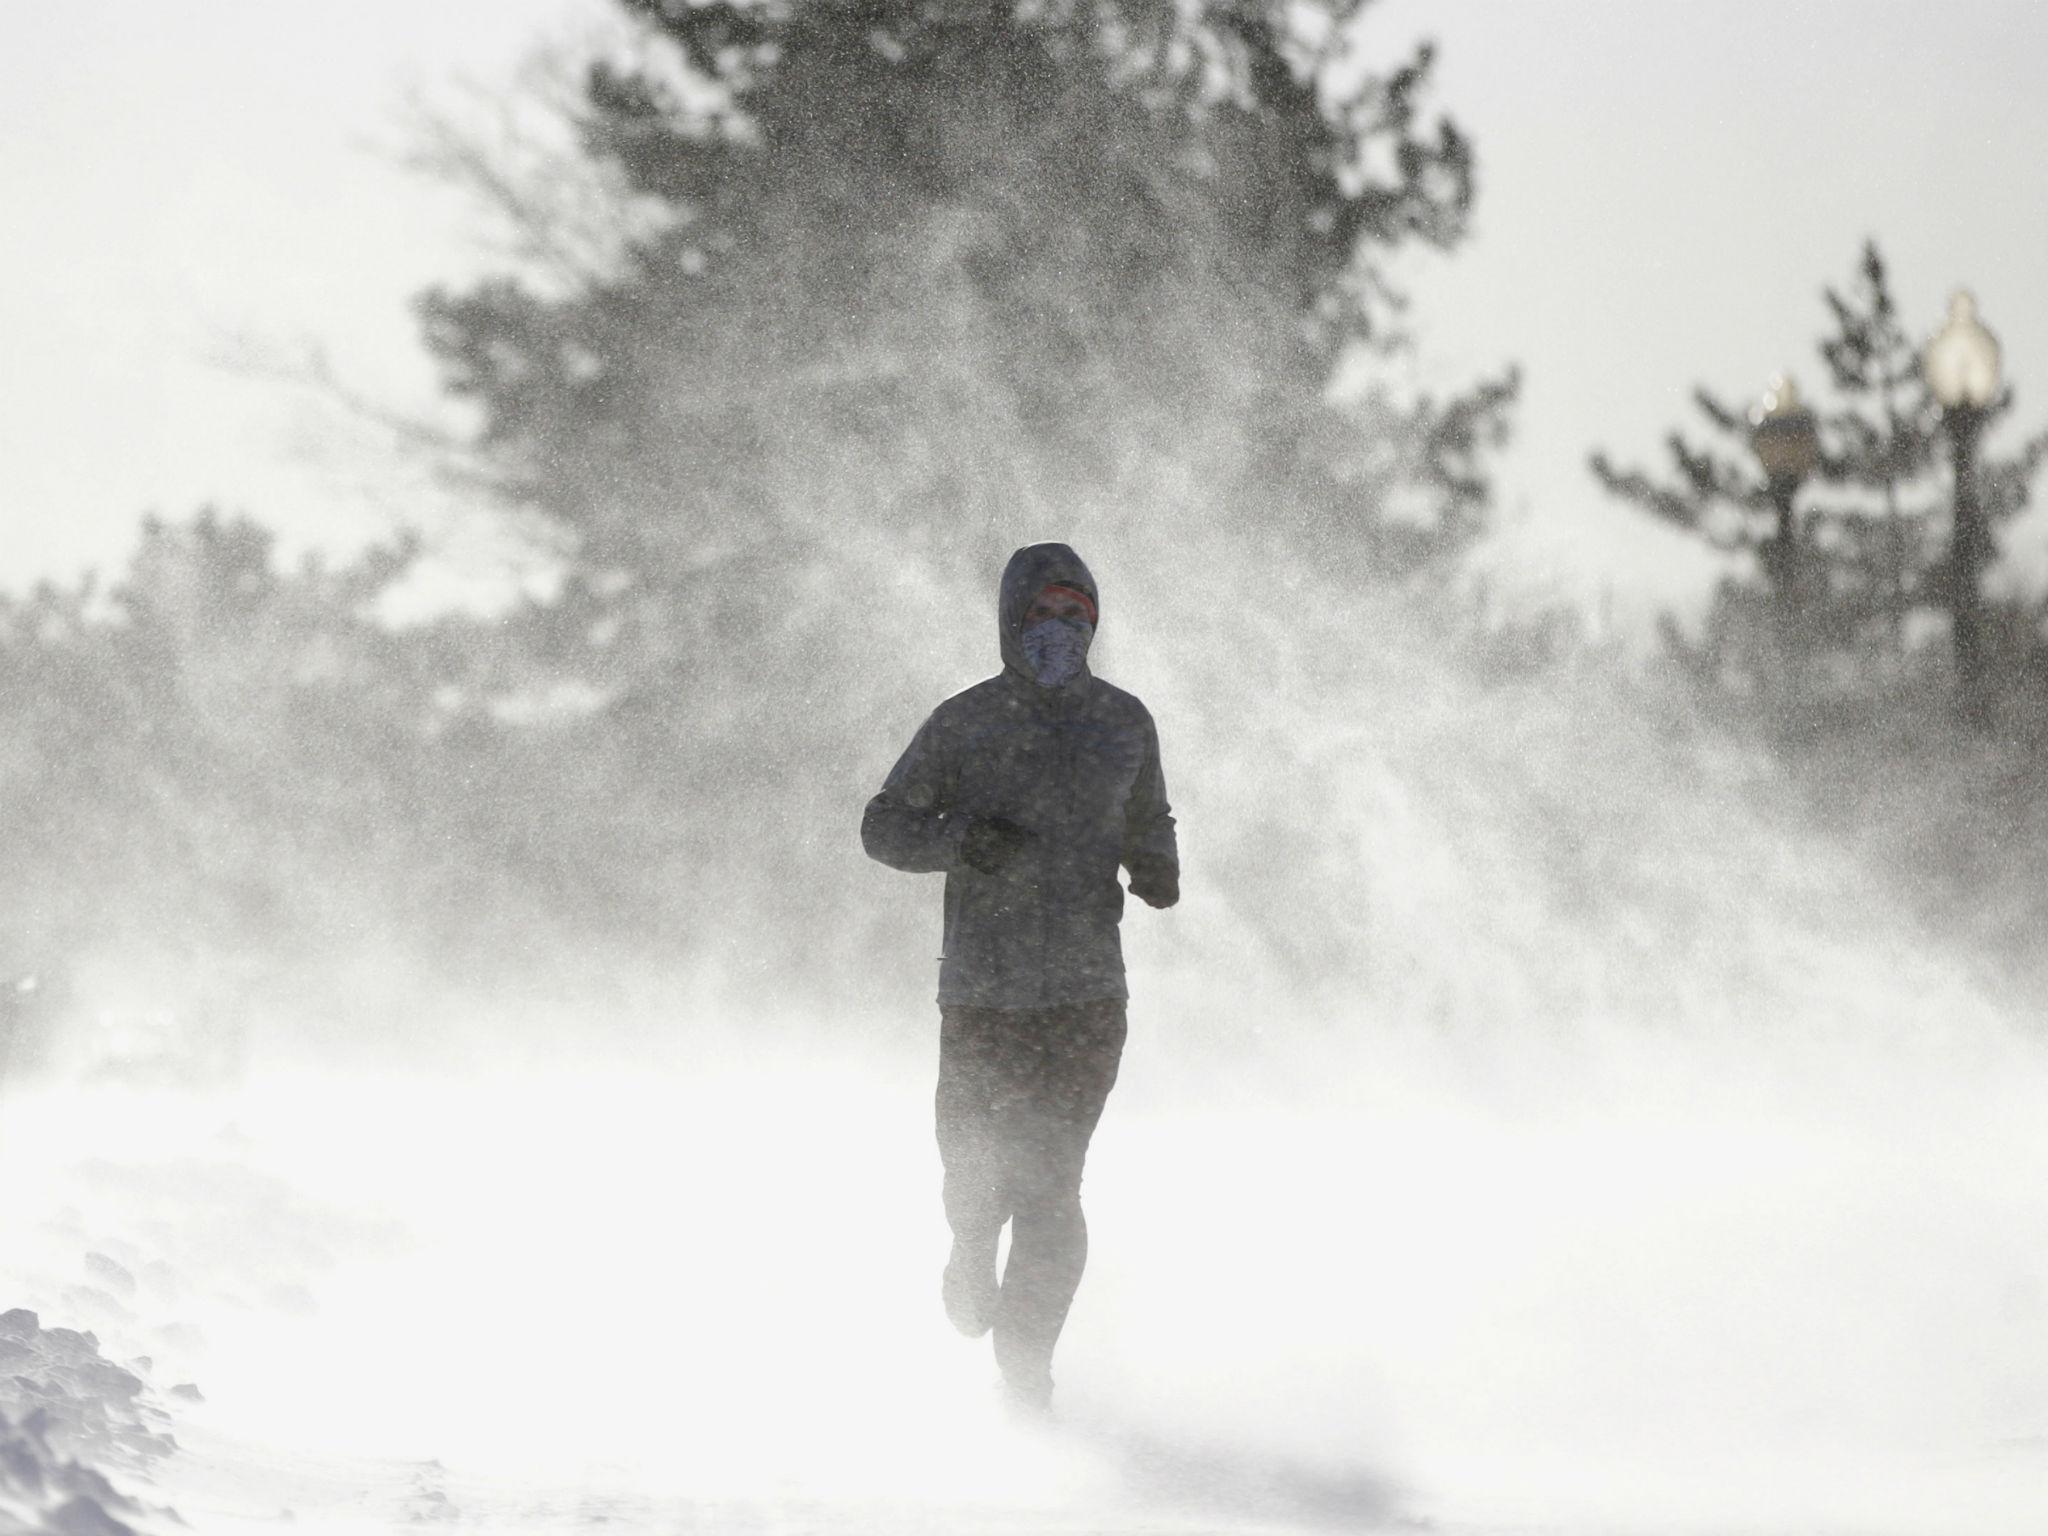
1028	790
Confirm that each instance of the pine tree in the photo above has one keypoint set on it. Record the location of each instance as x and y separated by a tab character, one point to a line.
1883	445
941	266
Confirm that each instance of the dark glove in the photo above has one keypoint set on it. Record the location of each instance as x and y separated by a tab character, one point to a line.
991	842
1160	889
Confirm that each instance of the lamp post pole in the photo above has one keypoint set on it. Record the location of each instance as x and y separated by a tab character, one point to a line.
1970	545
1962	368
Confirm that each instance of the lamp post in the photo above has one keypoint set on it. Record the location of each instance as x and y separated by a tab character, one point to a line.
1962	368
1787	444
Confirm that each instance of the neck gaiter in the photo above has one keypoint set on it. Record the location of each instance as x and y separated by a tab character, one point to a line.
1055	648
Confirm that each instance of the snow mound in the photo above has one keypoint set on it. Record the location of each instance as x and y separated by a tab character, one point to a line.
66	1412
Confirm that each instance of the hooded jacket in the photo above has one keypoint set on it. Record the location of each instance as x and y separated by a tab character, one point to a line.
1077	766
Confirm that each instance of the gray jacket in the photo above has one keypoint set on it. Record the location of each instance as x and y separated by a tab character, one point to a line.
1078	767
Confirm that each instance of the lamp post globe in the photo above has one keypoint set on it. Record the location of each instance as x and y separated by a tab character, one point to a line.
1783	435
1961	365
1962	361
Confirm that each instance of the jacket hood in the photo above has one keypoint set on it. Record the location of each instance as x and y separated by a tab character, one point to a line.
1030	571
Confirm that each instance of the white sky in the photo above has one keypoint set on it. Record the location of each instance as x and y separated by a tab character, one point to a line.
1665	187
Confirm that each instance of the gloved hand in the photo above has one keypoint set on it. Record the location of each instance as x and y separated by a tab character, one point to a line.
1161	889
991	842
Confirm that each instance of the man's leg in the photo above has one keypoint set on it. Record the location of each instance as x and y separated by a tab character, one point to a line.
1075	1051
967	1104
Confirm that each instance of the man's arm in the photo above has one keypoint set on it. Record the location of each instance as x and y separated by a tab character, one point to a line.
910	825
1149	850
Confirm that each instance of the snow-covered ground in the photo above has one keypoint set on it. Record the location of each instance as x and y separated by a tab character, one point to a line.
1633	1282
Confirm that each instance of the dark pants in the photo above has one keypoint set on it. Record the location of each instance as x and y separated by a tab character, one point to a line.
1020	1092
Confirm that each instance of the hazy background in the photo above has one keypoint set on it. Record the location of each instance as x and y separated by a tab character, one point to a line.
1663	189
451	1024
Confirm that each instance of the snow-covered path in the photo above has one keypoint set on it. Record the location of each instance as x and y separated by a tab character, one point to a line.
1644	1287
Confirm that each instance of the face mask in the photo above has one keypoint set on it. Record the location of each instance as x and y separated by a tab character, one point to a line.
1056	648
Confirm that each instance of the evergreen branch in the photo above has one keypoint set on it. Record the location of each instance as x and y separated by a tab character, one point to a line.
1635	486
